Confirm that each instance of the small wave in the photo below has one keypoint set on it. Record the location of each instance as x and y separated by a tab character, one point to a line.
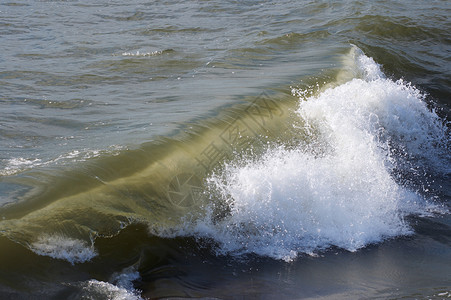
292	39
20	164
58	104
61	247
121	287
144	54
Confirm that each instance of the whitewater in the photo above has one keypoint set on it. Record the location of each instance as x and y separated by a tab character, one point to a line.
339	187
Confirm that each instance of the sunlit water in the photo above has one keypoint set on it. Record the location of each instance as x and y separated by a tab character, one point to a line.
225	149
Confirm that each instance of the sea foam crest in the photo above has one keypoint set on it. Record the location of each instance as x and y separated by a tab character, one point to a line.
96	289
137	53
120	287
338	189
61	247
15	165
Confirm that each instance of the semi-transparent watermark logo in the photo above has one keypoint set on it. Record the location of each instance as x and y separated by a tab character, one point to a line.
185	189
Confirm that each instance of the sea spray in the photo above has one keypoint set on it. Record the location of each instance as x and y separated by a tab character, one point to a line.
338	188
62	247
120	287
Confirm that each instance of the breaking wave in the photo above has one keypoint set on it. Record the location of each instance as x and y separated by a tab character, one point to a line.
339	186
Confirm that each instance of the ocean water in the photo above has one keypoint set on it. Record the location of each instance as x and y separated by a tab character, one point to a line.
225	149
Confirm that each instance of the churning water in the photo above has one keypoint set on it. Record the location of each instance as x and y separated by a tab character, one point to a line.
225	149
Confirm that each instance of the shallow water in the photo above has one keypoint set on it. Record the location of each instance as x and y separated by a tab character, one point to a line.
225	149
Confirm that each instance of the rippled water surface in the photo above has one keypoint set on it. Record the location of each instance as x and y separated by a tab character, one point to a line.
225	149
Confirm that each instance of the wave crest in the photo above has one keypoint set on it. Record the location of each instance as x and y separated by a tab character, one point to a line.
338	188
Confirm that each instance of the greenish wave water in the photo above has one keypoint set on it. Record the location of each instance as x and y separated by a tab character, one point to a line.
223	149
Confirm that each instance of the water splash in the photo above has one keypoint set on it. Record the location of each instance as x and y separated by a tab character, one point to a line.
119	287
338	187
61	247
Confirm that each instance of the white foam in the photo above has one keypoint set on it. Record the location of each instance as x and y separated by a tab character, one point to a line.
291	202
84	154
338	188
16	165
379	111
142	54
121	287
20	164
356	65
61	247
366	66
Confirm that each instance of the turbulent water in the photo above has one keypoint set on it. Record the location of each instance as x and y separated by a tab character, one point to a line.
224	149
